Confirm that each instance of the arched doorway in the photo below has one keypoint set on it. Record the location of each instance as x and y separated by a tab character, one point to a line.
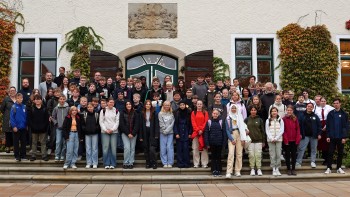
151	65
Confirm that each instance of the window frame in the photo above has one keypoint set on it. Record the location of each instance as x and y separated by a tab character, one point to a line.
24	58
274	53
266	58
340	39
243	58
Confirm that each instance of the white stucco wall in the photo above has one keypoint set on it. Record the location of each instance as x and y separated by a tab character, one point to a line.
202	24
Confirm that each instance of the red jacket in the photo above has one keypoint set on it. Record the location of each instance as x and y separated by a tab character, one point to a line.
291	130
199	120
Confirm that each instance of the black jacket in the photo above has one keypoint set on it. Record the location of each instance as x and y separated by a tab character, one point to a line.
38	119
90	124
51	104
154	129
183	125
331	133
315	123
67	124
141	92
129	123
215	134
71	102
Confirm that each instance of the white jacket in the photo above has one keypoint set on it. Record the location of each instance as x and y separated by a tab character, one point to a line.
109	119
275	130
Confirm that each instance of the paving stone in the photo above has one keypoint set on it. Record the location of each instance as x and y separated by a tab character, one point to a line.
192	193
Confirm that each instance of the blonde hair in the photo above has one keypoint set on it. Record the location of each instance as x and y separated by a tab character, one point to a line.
71	109
170	109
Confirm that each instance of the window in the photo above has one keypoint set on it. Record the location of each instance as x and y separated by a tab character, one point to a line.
345	64
29	57
253	55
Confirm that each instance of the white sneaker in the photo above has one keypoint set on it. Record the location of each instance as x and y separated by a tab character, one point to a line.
195	166
297	165
278	173
205	166
79	158
313	165
94	166
170	166
111	167
340	171
252	172
87	166
74	167
238	174
282	158
165	166
49	151
259	172
106	167
65	167
274	173
328	171
228	176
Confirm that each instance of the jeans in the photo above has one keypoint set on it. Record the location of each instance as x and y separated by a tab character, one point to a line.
340	147
254	151
42	139
302	147
275	150
109	149
91	144
167	149
19	137
129	149
60	144
291	152
72	149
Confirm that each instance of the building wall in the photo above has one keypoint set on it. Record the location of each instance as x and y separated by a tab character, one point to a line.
202	24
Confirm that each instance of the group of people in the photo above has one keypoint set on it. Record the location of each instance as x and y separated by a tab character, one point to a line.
73	117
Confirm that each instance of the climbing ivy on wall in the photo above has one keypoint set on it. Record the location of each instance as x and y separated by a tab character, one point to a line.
309	59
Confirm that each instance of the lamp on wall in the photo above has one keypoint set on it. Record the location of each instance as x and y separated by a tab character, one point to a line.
347	25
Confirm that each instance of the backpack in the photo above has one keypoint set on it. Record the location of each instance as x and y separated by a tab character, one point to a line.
104	111
209	123
85	116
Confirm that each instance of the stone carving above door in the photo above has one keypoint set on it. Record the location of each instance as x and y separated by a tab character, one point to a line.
152	20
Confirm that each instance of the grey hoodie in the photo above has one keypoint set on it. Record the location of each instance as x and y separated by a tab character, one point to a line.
58	114
166	123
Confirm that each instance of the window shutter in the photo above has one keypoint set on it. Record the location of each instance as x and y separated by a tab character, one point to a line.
105	63
196	64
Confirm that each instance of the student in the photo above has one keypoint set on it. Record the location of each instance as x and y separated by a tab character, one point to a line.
307	99
71	87
274	128
285	99
155	88
137	105
58	114
225	97
52	103
167	79
72	133
215	135
291	97
337	133
199	118
236	134
92	92
261	109
291	139
82	107
182	132
218	106
74	100
209	95
109	122
181	88
235	99
310	130
166	124
236	86
300	107
188	99
169	91
194	102
110	87
64	87
129	127
227	82
91	129
149	134
120	101
5	109
118	77
246	97
138	89
49	96
156	102
102	88
83	89
38	122
176	101
279	105
95	102
200	88
18	123
256	132
207	78
219	86
252	84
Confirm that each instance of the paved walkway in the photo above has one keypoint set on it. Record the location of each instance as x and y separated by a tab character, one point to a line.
299	189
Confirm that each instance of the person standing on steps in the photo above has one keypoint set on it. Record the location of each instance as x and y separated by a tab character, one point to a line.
337	134
5	109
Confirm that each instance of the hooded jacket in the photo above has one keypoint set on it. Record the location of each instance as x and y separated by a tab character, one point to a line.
38	119
109	119
344	121
183	126
18	116
58	115
315	122
166	123
129	122
256	129
291	130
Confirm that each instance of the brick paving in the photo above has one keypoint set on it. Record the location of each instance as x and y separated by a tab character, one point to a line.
299	189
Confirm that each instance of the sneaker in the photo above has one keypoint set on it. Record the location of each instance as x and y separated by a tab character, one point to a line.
18	159
62	159
154	166
87	166
205	166
328	171
278	173
106	167
297	165
340	171
170	166
65	167
238	174
74	166
313	165
32	159
294	173
49	151
7	150
219	173
24	159
57	159
259	172
111	167
282	158
79	158
289	172
274	173
228	176
94	166
46	158
195	166
252	172
214	174
165	166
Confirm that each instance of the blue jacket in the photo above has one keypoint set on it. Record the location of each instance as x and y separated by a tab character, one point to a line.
315	123
216	133
331	133
18	116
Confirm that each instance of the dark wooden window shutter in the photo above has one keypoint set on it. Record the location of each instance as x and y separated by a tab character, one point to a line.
105	63
198	63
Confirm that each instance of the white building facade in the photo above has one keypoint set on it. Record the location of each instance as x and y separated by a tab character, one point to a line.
222	26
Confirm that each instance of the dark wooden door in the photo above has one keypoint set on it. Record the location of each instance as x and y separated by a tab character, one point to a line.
197	64
105	63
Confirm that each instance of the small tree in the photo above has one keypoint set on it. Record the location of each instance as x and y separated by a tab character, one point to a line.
220	69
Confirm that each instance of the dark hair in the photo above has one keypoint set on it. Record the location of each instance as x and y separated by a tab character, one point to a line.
253	107
211	83
309	104
144	109
249	93
252	77
38	97
120	74
156	94
63	68
126	102
206	75
294	118
176	92
337	99
270	119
